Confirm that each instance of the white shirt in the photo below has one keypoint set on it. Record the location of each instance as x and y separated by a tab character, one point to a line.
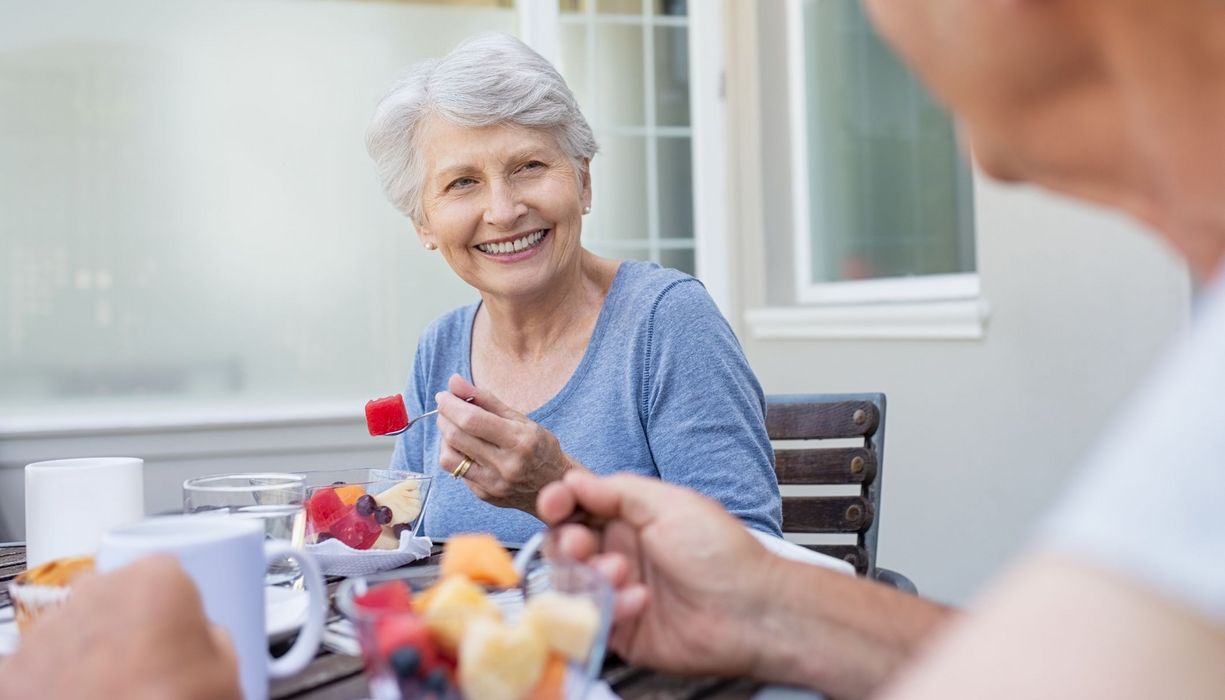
1150	504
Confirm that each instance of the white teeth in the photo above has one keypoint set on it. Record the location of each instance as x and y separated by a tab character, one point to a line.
512	246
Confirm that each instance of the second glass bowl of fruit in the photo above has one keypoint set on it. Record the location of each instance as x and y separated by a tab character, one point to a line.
471	629
364	508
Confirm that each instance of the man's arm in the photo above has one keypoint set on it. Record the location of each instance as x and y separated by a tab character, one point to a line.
1056	628
842	635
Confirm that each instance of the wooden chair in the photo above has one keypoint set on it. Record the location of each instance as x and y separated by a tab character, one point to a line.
818	417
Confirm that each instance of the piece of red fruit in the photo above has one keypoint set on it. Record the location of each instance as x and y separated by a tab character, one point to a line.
323	508
391	596
396	631
354	530
386	415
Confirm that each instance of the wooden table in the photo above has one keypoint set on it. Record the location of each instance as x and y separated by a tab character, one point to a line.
338	677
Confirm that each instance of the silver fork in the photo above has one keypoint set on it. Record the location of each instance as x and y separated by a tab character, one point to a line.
427	414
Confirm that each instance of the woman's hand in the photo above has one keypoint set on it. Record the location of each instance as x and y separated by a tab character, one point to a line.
512	456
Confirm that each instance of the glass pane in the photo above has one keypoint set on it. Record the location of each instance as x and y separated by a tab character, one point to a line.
619	7
887	182
574	66
619	74
681	259
184	222
675	188
619	192
672	76
670	7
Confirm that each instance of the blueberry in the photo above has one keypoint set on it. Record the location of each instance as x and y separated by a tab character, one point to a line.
365	506
436	682
406	662
323	537
338	483
383	515
398	528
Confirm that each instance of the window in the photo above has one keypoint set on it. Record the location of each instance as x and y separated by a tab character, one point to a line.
882	198
628	63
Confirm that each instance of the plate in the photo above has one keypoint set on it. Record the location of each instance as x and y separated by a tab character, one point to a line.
286	610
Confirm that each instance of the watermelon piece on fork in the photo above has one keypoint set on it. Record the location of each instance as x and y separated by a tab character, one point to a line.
386	416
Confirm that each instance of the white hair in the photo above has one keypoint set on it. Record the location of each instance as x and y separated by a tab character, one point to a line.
486	80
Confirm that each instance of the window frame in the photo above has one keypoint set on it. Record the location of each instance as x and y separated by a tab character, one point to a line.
926	289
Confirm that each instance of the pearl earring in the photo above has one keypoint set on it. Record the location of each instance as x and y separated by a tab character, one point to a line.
586	210
430	246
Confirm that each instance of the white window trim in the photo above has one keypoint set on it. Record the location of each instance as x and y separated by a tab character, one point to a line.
928	306
708	121
540	27
964	319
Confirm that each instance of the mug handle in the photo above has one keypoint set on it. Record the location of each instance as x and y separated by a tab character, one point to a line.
307	643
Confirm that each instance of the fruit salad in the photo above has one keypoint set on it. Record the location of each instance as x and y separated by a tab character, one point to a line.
472	634
367	515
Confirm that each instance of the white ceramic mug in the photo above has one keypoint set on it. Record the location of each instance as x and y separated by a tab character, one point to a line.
226	559
71	502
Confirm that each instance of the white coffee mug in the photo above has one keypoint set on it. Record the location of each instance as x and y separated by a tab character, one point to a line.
71	502
226	559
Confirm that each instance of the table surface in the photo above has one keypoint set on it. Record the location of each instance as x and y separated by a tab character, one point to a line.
338	677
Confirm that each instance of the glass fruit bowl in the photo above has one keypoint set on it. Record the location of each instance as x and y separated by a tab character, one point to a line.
425	635
364	508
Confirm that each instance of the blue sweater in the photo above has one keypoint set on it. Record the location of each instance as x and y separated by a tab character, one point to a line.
663	390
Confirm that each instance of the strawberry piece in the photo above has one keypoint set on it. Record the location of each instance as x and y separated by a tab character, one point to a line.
386	415
392	596
354	530
322	509
394	632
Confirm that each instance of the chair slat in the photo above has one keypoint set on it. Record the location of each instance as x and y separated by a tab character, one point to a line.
821	421
831	465
853	554
828	514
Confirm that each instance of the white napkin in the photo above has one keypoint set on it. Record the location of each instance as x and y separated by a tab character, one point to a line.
339	559
794	552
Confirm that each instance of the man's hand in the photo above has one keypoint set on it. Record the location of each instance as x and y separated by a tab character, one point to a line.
688	575
139	632
697	594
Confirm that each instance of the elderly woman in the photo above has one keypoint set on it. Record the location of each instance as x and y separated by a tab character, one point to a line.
569	360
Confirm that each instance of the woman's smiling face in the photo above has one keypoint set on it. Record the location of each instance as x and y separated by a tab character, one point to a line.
503	204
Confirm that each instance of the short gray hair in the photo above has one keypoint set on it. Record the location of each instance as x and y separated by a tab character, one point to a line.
486	80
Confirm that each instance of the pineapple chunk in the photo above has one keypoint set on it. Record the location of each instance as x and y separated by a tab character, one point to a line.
404	500
454	603
497	662
567	622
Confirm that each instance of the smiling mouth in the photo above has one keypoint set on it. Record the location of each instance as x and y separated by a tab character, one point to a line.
518	245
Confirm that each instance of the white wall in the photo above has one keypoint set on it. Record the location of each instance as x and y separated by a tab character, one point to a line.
981	434
205	159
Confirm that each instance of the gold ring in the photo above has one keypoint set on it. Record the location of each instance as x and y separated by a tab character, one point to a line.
463	468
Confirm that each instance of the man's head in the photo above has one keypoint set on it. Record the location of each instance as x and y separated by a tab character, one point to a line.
1109	100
